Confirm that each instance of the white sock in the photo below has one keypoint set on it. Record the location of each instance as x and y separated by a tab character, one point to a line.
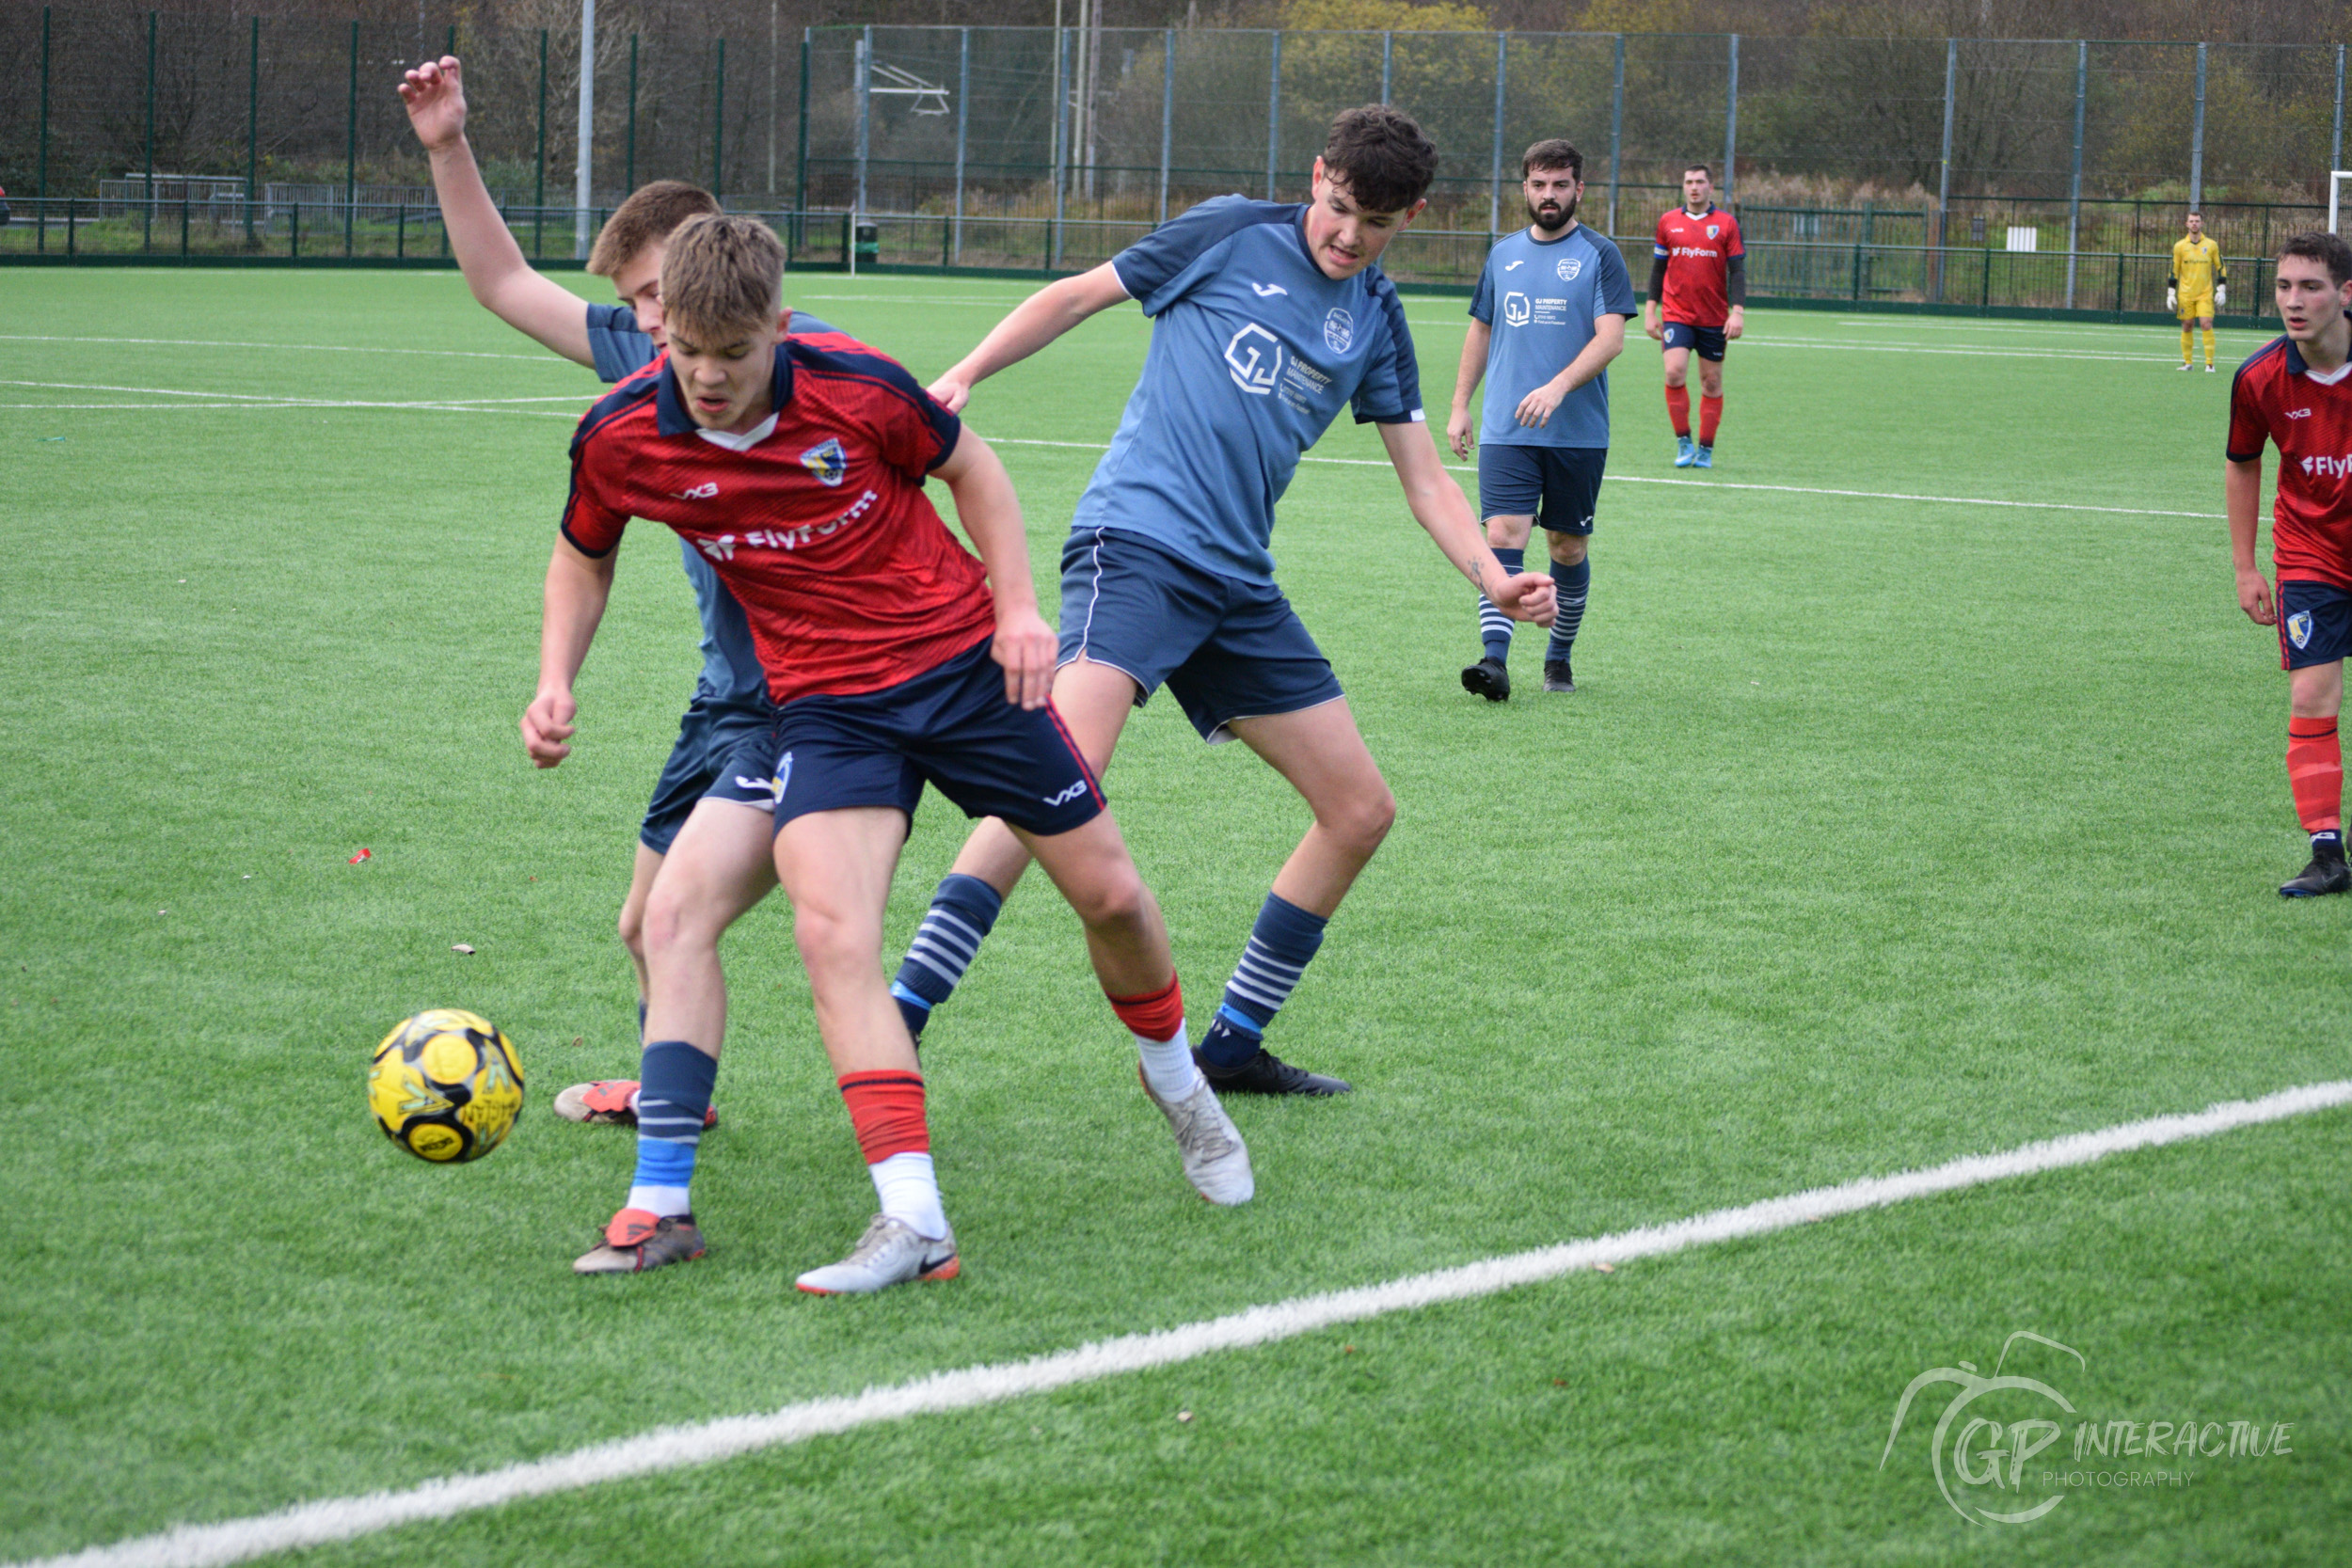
1168	1064
909	1189
660	1201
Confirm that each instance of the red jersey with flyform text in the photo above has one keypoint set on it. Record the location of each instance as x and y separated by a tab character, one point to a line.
1697	251
2275	399
820	529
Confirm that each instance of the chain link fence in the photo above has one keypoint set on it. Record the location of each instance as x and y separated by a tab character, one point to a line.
1992	173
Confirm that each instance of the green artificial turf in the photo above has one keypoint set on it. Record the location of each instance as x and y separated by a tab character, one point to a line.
1879	832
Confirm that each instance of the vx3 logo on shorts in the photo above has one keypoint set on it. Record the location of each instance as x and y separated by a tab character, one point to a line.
1254	358
702	492
2298	413
1064	797
774	786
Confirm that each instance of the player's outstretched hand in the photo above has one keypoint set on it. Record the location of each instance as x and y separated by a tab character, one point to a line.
1527	596
1026	646
547	726
951	393
434	95
1459	433
2253	596
1535	409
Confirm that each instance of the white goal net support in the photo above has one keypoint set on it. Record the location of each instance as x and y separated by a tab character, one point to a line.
2335	193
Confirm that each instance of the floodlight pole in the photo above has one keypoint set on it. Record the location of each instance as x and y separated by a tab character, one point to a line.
252	118
2196	141
1273	111
964	115
2074	194
587	157
864	80
2335	144
1388	58
351	146
1168	114
1944	175
1616	129
1731	118
147	213
1494	178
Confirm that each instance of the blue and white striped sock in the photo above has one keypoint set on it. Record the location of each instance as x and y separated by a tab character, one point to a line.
1494	627
675	1086
1572	584
962	913
1280	946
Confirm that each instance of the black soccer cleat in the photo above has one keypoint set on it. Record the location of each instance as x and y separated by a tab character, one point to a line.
1266	1073
1558	676
2326	874
1491	679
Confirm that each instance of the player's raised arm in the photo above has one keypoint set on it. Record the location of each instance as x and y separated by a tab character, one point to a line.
504	283
1459	427
1439	505
1034	323
577	588
991	515
2242	494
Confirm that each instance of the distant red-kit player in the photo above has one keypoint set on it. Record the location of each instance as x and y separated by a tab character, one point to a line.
2296	394
1699	292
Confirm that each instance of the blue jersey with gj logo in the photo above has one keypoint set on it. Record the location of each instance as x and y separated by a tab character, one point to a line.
1253	353
1541	298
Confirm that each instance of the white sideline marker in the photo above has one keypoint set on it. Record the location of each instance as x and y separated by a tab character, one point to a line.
674	1448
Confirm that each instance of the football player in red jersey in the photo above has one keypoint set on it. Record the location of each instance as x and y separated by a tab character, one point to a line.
1698	292
2297	393
896	660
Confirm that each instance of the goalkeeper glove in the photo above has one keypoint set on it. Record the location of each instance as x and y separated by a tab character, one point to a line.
2221	293
2172	299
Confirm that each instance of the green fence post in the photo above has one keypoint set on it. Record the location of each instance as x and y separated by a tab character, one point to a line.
2118	283
1984	294
184	222
294	231
400	235
40	186
718	123
69	226
252	126
539	172
147	213
628	162
351	145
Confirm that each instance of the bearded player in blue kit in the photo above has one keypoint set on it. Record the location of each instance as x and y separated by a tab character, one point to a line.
1549	316
1266	319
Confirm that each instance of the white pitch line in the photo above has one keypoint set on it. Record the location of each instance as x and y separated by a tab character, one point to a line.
318	348
965	1389
1708	484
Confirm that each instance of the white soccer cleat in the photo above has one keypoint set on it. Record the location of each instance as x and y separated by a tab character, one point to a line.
890	1252
1216	1161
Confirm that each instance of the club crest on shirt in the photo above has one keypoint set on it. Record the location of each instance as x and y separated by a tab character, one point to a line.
827	461
1713	229
1339	330
2299	628
1569	266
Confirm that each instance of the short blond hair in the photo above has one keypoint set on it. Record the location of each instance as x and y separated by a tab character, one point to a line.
650	216
721	276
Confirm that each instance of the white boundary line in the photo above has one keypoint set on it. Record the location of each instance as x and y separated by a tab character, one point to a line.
968	1388
319	348
1705	484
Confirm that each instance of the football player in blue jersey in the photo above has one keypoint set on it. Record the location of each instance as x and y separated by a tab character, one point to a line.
1549	316
722	756
1266	319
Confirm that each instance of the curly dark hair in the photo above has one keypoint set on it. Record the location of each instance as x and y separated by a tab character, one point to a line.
2328	249
1381	156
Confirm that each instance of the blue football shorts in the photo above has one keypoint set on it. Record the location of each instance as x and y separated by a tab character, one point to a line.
723	752
2315	624
1228	648
949	727
1708	340
1558	486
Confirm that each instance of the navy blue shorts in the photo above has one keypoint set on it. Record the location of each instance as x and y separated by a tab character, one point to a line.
1709	341
723	752
1558	486
1226	648
2315	624
951	727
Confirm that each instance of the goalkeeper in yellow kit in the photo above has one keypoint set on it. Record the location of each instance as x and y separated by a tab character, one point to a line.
2199	282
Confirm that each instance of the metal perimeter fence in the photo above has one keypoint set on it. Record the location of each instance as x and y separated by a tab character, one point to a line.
1889	269
2000	163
